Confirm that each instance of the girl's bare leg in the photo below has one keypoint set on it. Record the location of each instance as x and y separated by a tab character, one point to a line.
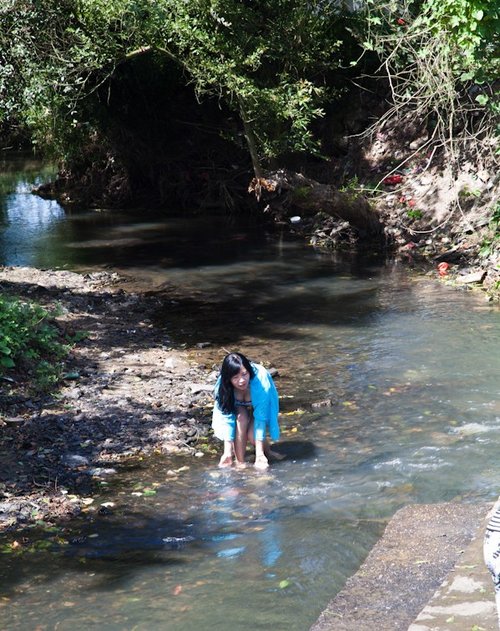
261	448
240	442
226	460
263	451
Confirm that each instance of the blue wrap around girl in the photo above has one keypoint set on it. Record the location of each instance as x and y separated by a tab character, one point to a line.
265	407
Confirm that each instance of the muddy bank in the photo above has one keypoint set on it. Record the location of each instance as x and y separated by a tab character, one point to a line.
128	392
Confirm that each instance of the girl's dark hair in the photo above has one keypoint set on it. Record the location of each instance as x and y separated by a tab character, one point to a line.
231	365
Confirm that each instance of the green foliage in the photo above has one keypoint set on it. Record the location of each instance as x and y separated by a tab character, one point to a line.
262	58
466	192
461	34
265	59
273	62
442	58
491	242
301	192
414	214
55	54
30	343
472	28
352	184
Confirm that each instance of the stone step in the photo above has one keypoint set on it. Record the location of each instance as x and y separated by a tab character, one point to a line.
426	573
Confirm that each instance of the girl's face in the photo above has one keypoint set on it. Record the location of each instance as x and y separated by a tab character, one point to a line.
241	379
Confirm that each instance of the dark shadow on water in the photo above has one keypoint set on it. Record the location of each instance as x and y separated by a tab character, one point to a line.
294	450
121	548
263	316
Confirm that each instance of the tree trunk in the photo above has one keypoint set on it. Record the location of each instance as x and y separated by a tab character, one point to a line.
251	141
300	195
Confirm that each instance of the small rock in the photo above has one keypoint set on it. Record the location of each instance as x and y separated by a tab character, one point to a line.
74	394
74	461
14	420
179	419
100	471
325	403
474	277
200	387
176	364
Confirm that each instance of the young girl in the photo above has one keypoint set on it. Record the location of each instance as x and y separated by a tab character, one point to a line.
246	405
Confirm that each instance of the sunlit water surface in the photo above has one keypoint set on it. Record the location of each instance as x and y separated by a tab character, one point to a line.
410	368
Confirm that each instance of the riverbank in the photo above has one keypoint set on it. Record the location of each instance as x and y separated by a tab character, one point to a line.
128	392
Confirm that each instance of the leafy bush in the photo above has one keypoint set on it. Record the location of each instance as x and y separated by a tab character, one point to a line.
266	60
30	342
441	59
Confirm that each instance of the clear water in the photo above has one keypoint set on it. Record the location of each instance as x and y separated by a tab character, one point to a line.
411	367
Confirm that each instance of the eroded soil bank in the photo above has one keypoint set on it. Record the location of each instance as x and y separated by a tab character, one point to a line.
127	392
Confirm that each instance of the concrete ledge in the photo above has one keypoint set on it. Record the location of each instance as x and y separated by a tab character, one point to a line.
420	548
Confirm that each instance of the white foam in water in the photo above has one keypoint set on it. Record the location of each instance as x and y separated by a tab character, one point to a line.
427	466
469	429
177	540
405	466
230	552
393	464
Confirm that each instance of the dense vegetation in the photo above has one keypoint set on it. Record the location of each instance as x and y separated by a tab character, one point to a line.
127	88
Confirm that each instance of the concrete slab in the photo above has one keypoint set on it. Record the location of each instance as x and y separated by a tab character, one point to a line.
465	600
425	574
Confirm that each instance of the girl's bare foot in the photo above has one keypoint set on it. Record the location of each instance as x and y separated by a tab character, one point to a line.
226	460
240	465
261	462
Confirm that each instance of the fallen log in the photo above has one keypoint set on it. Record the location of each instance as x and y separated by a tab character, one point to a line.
288	192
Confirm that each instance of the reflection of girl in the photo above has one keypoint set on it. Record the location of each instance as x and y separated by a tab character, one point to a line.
246	405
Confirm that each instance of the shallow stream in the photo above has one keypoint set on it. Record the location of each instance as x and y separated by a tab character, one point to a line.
390	395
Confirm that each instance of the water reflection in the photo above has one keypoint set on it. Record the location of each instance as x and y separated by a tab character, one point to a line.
25	219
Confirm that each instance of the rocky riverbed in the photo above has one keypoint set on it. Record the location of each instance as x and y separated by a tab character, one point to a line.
127	392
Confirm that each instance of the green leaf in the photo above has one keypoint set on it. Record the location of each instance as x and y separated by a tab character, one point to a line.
467	76
7	362
482	99
478	15
284	584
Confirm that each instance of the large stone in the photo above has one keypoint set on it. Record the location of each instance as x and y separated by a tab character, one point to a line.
474	277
